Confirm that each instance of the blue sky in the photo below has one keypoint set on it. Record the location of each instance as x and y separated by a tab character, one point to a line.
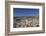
25	12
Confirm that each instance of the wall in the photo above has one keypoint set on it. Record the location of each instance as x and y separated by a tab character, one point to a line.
2	18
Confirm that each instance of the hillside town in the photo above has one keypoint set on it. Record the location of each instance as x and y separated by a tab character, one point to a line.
26	21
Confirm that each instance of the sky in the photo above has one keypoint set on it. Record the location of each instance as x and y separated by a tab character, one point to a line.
25	12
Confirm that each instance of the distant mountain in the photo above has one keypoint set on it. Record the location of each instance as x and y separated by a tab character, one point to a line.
26	16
